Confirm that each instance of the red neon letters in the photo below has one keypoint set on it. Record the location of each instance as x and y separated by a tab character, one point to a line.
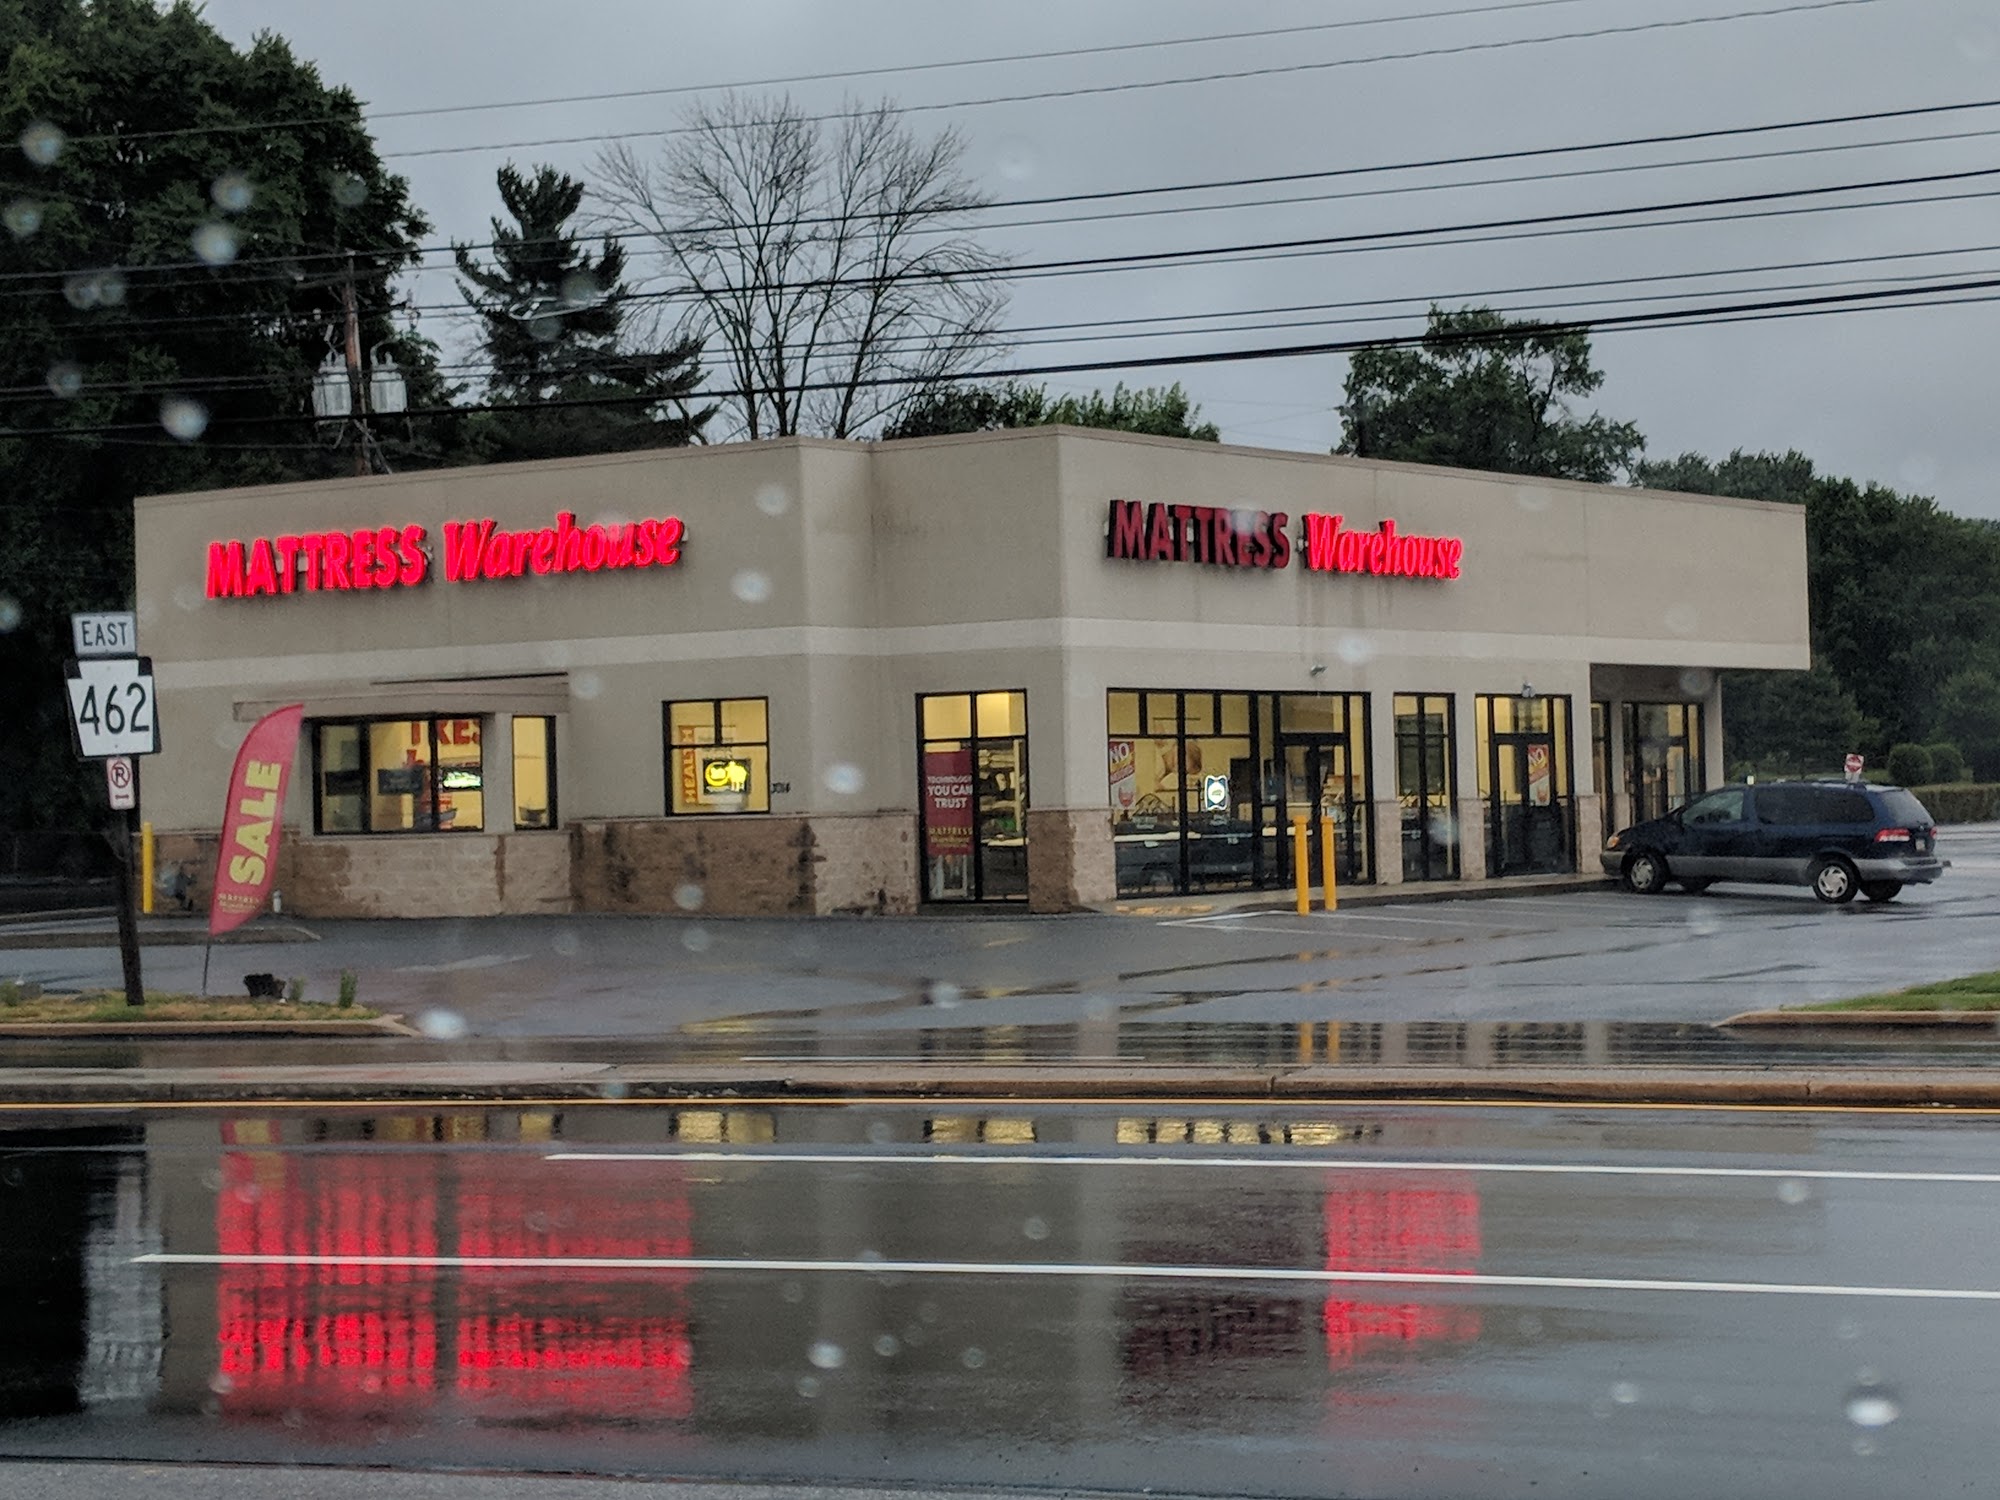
1257	539
388	557
1328	549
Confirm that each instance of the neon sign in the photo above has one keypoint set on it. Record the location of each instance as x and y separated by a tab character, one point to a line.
391	557
1222	537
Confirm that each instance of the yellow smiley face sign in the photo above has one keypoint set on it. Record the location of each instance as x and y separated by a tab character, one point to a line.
724	779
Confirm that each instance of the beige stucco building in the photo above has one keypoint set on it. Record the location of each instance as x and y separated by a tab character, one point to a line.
1049	665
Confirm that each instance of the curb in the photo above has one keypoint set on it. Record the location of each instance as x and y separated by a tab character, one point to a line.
155	937
1780	1019
1412	893
586	1083
390	1025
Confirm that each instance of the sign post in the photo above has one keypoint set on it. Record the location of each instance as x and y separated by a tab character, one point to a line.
113	719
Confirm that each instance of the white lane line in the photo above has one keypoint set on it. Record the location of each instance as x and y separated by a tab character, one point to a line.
558	1265
1260	1163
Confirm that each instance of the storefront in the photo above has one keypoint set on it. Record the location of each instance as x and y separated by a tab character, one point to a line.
1046	667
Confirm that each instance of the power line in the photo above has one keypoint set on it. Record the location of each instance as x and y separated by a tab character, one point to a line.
1897	298
1043	96
841	74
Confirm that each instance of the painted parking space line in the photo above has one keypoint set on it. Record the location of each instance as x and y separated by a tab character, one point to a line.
1302	932
1268	1163
564	1265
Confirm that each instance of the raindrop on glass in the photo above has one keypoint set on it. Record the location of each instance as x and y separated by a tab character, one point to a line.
943	994
615	1088
1532	500
232	192
930	1312
973	1358
791	1291
10	613
773	500
688	896
1035	1228
886	1345
586	685
293	1418
1793	1191
349	191
210	1407
1701	921
871	1255
914	1335
1696	681
65	377
881	1132
1354	649
215	244
82	290
42	143
1872	1406
566	942
809	1386
844	778
442	1025
697	940
184	417
1015	159
23	217
1681	619
826	1355
1847	1330
751	586
580	289
222	1383
545	329
1625	1393
1866	1447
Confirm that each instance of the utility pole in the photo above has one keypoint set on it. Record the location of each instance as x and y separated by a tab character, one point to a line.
354	383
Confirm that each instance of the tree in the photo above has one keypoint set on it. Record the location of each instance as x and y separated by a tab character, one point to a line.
1481	392
830	266
170	279
1902	594
1969	712
1163	411
552	315
1790	723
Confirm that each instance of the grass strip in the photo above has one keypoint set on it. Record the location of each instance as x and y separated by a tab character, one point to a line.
96	1007
1973	992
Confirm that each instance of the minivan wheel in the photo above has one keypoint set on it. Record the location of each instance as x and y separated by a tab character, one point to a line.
1881	890
1834	881
1645	873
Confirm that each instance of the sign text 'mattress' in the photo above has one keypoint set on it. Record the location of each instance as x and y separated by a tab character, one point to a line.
390	557
1220	536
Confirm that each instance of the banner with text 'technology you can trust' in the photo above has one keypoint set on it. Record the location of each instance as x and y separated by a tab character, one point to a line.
247	862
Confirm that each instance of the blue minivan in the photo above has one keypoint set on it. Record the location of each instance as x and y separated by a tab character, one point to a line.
1838	837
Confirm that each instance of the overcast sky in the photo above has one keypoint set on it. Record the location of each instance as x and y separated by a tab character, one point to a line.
1903	396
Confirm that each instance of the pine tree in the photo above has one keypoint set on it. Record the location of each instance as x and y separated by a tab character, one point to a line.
553	330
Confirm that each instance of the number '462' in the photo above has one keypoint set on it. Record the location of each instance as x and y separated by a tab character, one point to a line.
124	707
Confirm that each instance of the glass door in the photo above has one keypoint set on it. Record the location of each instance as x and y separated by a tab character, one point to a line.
1320	783
1425	746
972	768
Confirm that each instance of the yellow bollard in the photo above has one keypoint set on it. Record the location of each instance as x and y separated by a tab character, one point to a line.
1301	872
1327	850
146	868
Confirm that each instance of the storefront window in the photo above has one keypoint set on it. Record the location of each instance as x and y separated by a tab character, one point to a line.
399	776
973	773
1202	784
1425	750
1663	757
718	755
534	772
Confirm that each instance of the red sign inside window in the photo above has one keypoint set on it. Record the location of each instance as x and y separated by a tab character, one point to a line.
948	802
390	557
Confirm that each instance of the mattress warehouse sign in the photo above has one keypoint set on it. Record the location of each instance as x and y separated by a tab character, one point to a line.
400	557
1219	536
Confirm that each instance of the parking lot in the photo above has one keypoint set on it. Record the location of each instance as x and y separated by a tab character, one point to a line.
1582	955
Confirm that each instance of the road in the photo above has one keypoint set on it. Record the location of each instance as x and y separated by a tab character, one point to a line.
1254	1300
1583	956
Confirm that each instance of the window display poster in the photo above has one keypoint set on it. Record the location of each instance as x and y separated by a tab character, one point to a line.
948	801
1540	775
1124	774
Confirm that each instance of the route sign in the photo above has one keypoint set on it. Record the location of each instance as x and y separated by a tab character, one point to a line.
112	706
121	781
112	633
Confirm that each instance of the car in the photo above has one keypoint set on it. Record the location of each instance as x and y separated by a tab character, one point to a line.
1838	837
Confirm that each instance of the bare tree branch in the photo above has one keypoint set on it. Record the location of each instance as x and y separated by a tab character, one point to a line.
821	261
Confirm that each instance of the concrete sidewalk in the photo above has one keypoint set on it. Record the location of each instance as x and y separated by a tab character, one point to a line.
432	1084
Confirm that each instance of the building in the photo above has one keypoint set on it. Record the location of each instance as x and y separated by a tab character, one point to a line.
1048	666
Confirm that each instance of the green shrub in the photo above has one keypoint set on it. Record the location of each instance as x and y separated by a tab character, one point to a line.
1947	763
1910	765
296	990
348	985
1968	802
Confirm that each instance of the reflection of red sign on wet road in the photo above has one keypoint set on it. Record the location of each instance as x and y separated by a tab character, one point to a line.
1433	1229
947	802
369	1341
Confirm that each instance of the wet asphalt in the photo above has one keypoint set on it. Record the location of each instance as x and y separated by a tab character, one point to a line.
1258	1300
1598	955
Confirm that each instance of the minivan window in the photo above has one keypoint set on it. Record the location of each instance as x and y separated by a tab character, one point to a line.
1782	806
1832	805
1905	809
1717	807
